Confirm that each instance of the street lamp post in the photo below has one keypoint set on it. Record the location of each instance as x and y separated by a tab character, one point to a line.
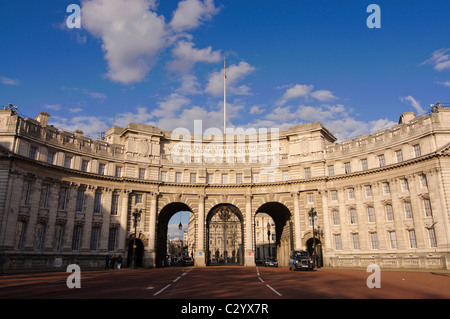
137	217
268	235
313	215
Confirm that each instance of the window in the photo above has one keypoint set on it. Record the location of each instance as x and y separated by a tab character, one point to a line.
347	168
432	236
59	235
330	170
178	177
371	214
112	239
408	210
353	216
423	180
427	206
386	188
355	240
417	151
381	161
80	200
364	165
209	178
333	195
94	238
118	172
101	168
239	178
351	193
307	171
310	198
97	203
404	183
26	195
20	234
368	190
224	178
62	201
138	199
40	229
33	152
115	205
412	238
193	178
337	242
393	239
389	212
399	156
45	191
67	161
50	157
76	237
255	177
141	173
336	220
84	165
374	240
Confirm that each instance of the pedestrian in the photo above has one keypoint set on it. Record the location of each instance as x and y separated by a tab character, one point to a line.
107	262
113	261
119	262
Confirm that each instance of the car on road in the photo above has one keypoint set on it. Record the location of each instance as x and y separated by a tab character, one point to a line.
271	262
300	259
188	261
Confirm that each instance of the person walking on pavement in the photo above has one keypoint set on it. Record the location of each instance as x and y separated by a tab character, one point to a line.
107	262
119	262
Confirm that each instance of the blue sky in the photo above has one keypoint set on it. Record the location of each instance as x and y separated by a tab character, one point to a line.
288	62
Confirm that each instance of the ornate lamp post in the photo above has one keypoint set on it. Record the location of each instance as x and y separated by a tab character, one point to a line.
312	216
137	217
268	235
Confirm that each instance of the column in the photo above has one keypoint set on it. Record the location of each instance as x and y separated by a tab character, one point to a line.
150	254
106	217
122	231
249	258
297	237
200	257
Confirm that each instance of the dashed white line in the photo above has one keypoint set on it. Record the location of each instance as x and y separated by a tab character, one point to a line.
274	290
157	293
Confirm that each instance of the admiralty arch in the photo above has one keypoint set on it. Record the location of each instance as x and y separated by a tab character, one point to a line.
380	198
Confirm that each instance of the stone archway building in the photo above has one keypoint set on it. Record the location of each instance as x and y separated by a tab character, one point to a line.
380	198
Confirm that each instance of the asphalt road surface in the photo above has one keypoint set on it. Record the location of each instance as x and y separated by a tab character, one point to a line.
226	282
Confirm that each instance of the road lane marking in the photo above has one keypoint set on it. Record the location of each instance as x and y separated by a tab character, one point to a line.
157	293
274	290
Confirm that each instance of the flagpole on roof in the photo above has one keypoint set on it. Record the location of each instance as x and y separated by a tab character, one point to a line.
224	96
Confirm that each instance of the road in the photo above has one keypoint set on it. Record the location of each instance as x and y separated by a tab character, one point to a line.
227	282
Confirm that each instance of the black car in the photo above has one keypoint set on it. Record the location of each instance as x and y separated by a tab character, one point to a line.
188	261
300	259
271	262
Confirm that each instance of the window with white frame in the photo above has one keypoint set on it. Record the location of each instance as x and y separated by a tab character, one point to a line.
353	216
336	219
417	151
347	168
408	210
337	241
355	240
412	238
381	160
386	188
368	189
351	193
432	237
393	239
404	184
330	170
333	195
427	206
364	165
371	214
193	178
374	240
389	212
399	156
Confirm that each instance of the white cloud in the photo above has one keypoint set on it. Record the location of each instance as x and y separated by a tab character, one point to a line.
75	110
53	107
186	56
131	33
439	59
305	91
191	13
446	83
299	90
90	125
9	81
414	103
235	73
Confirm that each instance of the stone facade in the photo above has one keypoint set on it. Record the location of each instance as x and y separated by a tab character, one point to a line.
383	197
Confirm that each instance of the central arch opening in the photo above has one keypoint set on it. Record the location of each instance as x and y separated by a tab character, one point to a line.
283	240
224	240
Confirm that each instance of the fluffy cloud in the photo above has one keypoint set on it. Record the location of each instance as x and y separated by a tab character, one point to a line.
305	91
191	13
186	56
9	81
235	74
440	59
132	35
